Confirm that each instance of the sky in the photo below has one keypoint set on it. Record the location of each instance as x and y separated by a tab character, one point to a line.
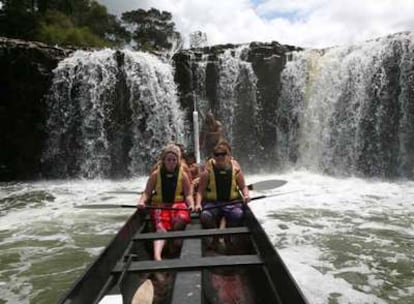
305	23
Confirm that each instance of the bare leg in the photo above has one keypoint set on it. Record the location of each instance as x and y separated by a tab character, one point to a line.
208	222
221	242
158	247
179	224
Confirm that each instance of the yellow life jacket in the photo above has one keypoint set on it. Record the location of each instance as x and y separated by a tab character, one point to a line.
211	190
179	190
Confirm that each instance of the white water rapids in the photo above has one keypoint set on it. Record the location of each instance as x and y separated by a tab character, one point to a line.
344	240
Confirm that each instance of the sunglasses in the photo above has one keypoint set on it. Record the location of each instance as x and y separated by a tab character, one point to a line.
217	154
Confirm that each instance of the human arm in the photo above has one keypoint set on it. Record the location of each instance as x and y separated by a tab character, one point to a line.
201	189
188	191
149	188
241	183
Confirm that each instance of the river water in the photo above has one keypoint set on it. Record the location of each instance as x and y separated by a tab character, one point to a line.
345	240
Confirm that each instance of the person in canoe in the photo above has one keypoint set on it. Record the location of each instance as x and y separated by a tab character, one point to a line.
211	134
194	169
168	186
183	162
222	182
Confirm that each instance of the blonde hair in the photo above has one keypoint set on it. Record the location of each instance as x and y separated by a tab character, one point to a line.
171	148
224	145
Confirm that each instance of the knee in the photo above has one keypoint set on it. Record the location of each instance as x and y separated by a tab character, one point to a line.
235	219
179	224
207	220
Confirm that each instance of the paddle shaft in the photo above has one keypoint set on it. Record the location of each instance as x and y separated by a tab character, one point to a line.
186	209
258	186
103	206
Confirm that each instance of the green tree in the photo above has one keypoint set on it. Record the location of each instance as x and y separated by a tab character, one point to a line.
17	19
152	30
74	22
58	28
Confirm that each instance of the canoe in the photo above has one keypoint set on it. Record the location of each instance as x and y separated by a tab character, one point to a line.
252	273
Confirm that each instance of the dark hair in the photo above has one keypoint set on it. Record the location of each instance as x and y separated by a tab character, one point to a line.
182	149
190	154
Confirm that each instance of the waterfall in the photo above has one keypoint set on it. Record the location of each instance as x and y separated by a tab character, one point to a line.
236	84
350	110
110	113
343	110
226	85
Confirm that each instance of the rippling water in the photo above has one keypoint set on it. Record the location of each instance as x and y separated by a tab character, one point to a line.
344	240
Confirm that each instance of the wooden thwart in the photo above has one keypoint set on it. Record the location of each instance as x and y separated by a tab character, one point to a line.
192	264
196	233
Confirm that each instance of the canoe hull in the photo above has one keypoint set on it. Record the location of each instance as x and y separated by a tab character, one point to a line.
248	273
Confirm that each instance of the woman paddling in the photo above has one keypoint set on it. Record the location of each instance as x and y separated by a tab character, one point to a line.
222	181
168	187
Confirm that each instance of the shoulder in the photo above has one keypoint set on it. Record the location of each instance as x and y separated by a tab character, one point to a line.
209	163
154	174
236	166
184	166
156	166
186	177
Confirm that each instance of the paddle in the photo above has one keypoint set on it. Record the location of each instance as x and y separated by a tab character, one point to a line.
258	186
124	192
143	295
110	206
266	184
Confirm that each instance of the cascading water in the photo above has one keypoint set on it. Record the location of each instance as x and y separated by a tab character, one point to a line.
237	101
232	97
343	110
110	113
156	117
350	110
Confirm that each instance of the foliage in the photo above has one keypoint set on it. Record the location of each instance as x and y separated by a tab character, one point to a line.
57	28
87	23
16	19
152	30
74	22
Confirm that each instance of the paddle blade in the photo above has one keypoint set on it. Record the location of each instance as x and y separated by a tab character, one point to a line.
144	293
111	299
124	192
267	185
104	206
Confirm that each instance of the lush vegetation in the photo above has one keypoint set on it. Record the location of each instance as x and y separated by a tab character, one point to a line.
86	23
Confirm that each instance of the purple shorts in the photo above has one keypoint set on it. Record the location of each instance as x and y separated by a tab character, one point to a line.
232	213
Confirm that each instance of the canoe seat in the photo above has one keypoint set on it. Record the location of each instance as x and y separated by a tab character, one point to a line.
191	264
194	233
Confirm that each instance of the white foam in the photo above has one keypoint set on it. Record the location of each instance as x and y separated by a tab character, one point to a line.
311	211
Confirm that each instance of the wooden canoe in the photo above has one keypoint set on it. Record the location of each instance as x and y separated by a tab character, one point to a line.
254	273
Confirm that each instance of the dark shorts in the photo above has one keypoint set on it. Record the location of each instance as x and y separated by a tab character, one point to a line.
232	213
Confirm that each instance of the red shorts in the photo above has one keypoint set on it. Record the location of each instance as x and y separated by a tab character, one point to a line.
163	220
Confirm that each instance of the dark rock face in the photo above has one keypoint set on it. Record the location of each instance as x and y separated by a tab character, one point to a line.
26	77
254	134
241	85
26	70
268	61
